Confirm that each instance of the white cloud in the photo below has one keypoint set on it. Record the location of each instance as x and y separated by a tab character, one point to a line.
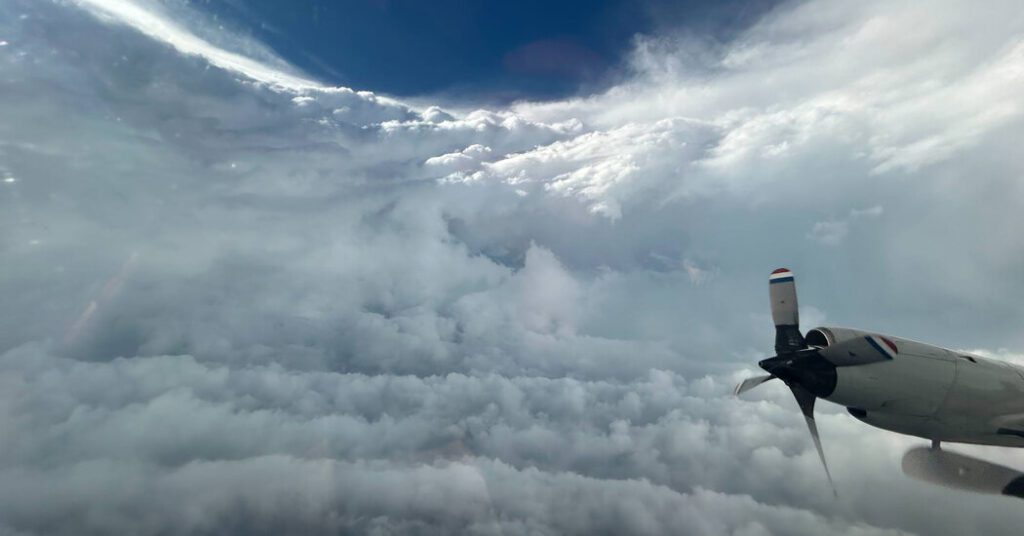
604	168
870	212
157	25
829	232
465	160
832	232
543	340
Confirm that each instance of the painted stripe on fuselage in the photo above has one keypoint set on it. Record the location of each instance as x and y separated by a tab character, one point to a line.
780	280
874	344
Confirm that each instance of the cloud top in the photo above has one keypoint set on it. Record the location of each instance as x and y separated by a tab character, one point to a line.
238	301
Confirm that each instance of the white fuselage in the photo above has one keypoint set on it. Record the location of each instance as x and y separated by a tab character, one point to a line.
937	394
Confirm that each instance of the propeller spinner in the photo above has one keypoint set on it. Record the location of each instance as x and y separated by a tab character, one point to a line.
802	368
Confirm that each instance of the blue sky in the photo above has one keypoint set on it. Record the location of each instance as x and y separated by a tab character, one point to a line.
487	50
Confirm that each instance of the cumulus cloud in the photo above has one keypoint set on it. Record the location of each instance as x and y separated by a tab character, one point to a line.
831	232
236	300
603	168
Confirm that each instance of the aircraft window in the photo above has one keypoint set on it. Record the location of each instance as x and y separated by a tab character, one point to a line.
969	358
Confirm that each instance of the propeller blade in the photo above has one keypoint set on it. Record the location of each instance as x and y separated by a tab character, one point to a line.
751	383
782	294
805	399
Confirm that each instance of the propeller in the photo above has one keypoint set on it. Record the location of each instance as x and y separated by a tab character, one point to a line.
751	383
805	399
802	368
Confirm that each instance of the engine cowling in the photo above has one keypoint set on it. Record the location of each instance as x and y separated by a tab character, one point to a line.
845	347
882	373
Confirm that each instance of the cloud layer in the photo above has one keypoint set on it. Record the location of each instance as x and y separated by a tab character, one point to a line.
238	301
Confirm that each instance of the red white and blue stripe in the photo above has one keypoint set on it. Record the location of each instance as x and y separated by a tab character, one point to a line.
883	345
782	275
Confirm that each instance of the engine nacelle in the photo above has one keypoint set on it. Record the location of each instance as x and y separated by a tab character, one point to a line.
823	337
845	347
884	373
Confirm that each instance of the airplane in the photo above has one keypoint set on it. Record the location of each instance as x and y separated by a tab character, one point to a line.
891	383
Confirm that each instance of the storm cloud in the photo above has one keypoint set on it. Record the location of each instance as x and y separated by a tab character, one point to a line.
236	300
